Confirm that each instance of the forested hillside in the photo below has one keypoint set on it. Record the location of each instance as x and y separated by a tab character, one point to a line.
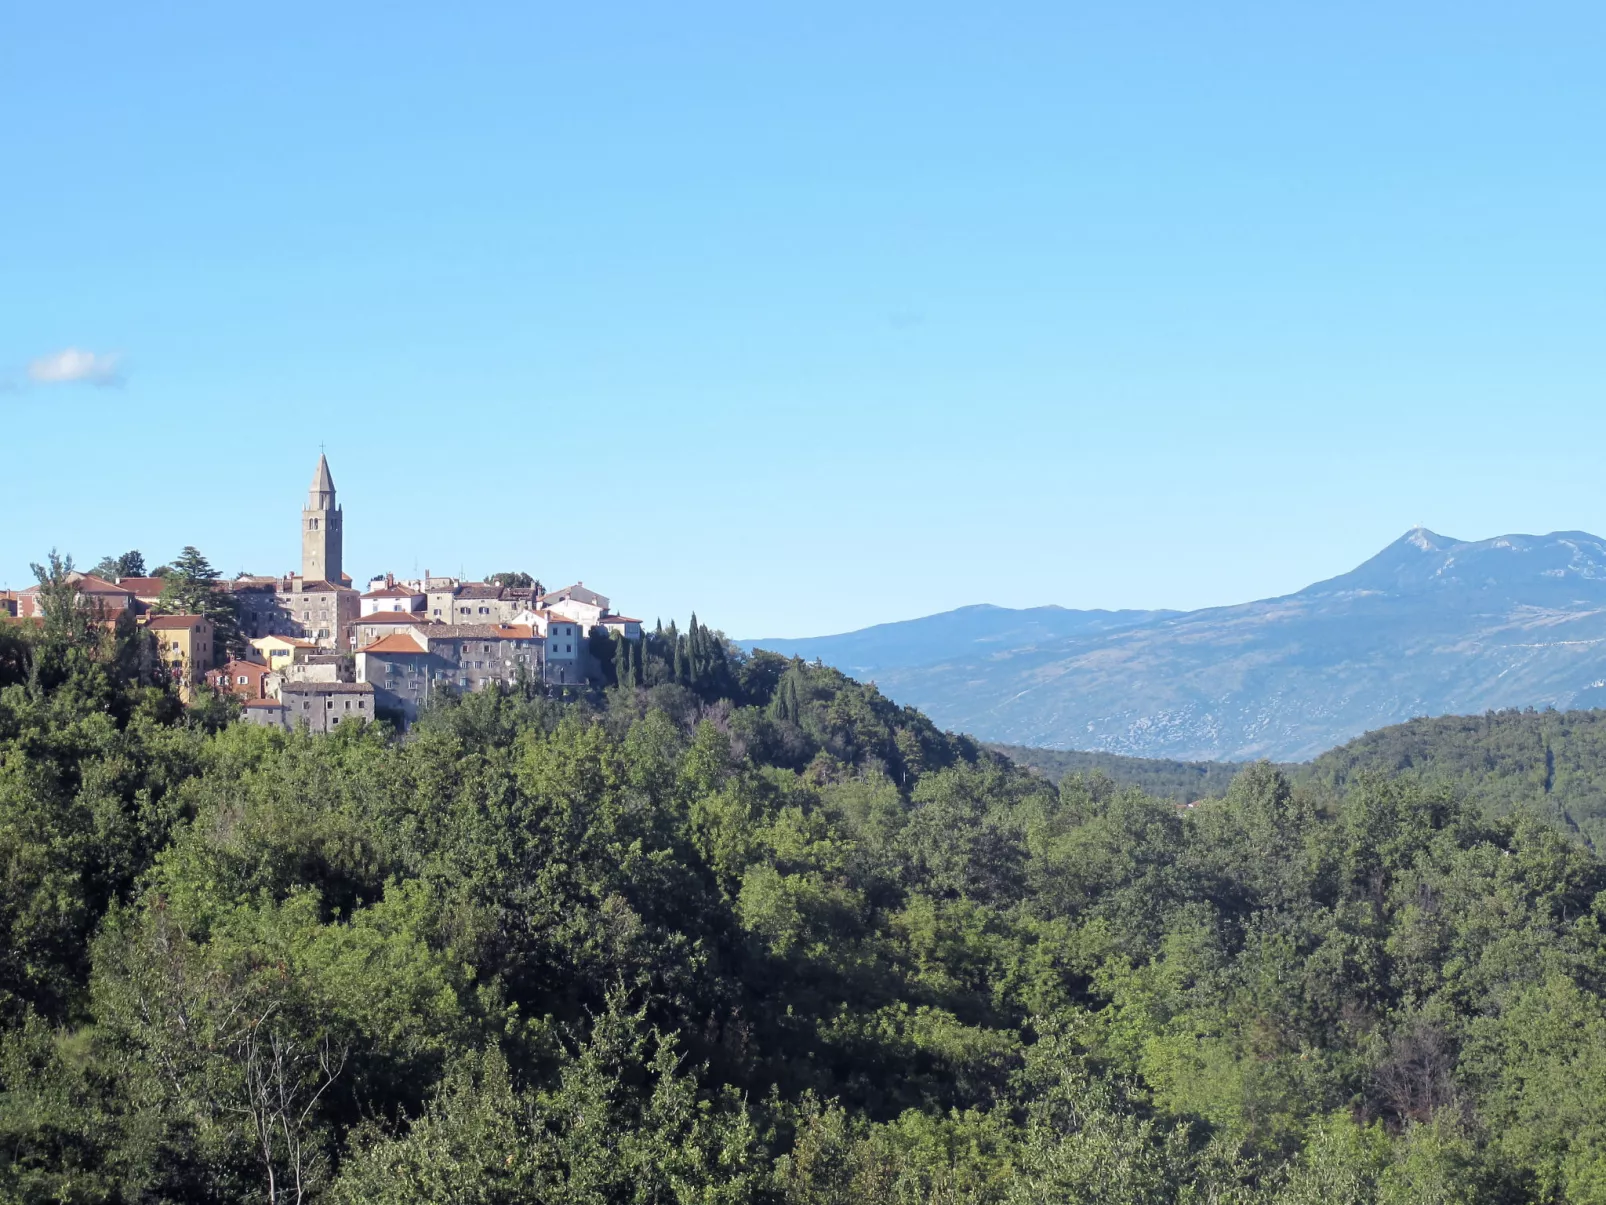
1182	781
1551	761
749	932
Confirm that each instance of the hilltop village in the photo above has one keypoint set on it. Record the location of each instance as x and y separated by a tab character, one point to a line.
311	649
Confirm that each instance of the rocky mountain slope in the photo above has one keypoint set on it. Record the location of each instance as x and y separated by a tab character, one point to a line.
968	631
1429	626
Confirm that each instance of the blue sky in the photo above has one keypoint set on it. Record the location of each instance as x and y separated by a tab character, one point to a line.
804	316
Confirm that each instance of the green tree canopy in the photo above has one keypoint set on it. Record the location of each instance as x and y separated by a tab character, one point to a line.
191	587
130	564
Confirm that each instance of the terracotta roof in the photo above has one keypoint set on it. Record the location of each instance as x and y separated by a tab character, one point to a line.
396	642
617	619
88	583
401	617
319	586
392	592
237	666
141	585
264	703
175	623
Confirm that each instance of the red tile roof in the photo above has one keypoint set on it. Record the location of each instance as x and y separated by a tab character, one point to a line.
392	592
402	617
141	585
175	623
396	642
88	583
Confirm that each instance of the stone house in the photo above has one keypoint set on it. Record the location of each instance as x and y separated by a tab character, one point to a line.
407	668
321	706
369	628
319	611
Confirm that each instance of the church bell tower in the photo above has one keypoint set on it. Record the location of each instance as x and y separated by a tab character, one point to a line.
321	530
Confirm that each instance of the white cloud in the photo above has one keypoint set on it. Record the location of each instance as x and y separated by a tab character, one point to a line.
75	365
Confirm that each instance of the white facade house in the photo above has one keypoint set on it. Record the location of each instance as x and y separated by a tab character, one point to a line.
390	595
584	613
566	652
629	628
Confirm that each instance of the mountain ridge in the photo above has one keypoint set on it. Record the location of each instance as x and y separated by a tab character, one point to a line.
1430	625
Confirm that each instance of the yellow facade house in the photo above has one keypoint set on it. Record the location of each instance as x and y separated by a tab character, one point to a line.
281	652
185	646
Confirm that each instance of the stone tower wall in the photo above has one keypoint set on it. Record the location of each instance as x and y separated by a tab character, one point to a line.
322	545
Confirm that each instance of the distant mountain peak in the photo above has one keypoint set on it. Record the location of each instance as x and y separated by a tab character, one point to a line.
1503	565
1427	541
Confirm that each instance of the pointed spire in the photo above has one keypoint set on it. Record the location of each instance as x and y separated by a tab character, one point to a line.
322	482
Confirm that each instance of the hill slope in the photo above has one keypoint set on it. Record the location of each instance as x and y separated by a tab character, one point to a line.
1550	762
966	632
1429	626
1178	781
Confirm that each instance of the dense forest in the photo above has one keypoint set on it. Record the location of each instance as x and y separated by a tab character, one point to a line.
1163	778
739	929
1550	762
1553	762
